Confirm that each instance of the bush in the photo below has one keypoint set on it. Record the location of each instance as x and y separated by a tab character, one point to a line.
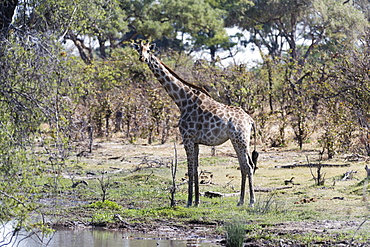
235	234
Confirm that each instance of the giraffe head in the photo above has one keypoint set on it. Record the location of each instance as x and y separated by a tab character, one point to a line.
144	50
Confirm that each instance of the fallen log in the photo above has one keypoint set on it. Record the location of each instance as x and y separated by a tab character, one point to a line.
214	194
272	189
348	175
311	165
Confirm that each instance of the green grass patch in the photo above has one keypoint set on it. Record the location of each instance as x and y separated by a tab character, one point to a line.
105	205
235	234
102	218
167	212
214	160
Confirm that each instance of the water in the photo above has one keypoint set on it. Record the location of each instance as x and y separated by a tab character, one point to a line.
104	238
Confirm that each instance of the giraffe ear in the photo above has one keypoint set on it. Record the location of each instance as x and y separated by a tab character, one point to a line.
152	46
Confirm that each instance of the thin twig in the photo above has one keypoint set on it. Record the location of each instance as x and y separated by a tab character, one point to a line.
12	197
69	24
366	182
358	228
173	173
147	178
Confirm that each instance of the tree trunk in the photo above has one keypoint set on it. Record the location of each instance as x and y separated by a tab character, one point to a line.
7	8
108	113
213	50
269	70
367	171
85	52
102	49
90	130
118	121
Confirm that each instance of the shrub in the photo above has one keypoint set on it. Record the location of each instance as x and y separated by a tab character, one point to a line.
235	234
105	205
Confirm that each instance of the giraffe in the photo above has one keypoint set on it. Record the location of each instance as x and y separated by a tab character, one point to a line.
204	121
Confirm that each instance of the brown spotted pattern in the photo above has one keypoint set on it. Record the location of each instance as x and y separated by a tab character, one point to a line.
204	121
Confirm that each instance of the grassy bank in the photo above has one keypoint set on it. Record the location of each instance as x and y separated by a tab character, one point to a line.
135	182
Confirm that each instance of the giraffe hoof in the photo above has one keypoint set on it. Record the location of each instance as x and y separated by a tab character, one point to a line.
240	204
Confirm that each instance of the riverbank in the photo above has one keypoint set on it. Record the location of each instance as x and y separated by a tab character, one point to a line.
135	181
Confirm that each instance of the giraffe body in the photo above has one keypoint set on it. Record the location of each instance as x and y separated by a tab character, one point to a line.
204	121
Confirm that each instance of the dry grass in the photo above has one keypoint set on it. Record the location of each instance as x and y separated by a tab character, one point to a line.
335	199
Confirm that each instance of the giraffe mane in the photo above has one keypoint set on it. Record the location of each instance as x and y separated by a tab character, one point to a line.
201	89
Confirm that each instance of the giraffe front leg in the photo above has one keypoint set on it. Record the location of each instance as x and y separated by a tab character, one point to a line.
196	174
192	151
190	185
196	187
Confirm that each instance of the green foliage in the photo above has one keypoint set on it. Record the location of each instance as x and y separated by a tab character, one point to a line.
102	218
233	85
113	22
33	94
292	69
196	18
338	129
235	234
167	212
139	112
342	22
99	18
105	205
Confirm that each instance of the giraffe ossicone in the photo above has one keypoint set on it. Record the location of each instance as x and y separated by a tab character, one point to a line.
205	121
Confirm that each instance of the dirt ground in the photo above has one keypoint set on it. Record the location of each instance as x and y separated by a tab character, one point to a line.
346	212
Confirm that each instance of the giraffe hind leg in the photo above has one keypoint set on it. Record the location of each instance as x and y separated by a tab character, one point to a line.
246	169
242	190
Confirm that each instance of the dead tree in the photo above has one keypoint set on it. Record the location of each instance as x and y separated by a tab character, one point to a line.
320	177
289	181
173	173
104	185
90	130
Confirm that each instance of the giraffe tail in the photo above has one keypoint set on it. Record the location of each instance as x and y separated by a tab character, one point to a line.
254	160
254	153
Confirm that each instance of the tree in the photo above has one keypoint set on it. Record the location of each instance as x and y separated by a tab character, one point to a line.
108	24
295	35
36	90
347	82
101	20
196	24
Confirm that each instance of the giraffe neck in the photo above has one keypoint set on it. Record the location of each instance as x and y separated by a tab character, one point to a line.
178	89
